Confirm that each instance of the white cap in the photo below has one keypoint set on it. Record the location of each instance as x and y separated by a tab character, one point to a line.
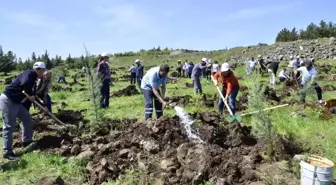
291	57
105	55
259	56
204	59
137	61
298	56
225	67
39	65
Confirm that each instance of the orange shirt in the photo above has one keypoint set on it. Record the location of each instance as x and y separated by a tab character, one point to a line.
229	82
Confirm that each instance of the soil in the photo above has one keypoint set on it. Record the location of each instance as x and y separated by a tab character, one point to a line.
189	85
126	77
292	83
58	88
174	74
243	88
178	100
242	102
69	116
329	87
130	90
209	102
270	94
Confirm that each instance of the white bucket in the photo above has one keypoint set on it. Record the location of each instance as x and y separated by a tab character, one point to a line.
317	171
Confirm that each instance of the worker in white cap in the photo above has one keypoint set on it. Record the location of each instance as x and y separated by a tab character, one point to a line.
196	74
230	87
11	108
104	72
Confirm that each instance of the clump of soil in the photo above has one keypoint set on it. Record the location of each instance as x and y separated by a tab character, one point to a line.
208	102
329	87
291	83
242	102
189	85
58	88
174	74
128	91
69	116
270	94
178	100
243	88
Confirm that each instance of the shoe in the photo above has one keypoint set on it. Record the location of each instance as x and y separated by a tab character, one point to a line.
11	156
27	143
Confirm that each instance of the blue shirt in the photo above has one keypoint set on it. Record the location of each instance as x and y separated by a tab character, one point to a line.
152	79
197	71
133	69
25	81
139	71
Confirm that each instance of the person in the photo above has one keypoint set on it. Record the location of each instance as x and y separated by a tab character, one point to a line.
132	69
252	66
42	90
179	68
301	61
283	75
196	75
190	69
262	65
150	88
313	61
185	69
272	70
83	70
208	70
230	87
139	72
103	70
11	107
308	73
214	68
61	78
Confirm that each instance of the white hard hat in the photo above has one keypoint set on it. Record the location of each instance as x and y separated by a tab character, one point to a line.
105	55
137	61
225	67
39	65
204	59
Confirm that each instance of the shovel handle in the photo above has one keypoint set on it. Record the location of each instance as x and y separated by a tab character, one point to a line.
270	108
220	93
45	110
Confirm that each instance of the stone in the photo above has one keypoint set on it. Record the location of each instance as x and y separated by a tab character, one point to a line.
75	150
76	140
166	163
104	162
124	153
150	146
86	155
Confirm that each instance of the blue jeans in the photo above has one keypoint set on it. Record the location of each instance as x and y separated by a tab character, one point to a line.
232	100
149	97
138	79
10	111
105	94
197	85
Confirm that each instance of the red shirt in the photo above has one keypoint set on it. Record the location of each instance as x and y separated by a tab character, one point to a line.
230	82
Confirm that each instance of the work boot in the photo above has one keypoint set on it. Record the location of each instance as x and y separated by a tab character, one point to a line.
11	156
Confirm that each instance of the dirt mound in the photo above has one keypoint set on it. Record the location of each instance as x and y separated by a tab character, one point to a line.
69	116
174	74
178	100
58	88
128	91
242	102
189	85
209	102
243	88
270	94
291	83
162	149
329	87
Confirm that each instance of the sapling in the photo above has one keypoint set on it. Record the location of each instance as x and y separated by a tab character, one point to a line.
94	89
262	126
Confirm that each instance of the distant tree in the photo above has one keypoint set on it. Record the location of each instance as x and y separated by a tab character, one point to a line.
33	57
46	60
1	51
69	59
7	63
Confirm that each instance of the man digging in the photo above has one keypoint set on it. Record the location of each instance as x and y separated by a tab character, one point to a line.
12	108
139	72
150	88
196	75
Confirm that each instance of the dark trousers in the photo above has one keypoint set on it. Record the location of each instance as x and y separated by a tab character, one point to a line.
189	74
303	92
232	101
282	79
133	77
139	78
61	79
105	94
149	98
48	102
179	72
197	85
183	72
208	75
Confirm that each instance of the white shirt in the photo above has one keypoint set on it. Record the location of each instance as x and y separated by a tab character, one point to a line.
283	74
306	75
215	68
253	63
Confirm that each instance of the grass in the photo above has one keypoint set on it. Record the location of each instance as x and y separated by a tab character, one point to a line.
311	131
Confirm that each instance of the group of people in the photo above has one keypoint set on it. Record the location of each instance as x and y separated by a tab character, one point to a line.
37	83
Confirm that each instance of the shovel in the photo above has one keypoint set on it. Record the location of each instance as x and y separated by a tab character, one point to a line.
45	110
232	117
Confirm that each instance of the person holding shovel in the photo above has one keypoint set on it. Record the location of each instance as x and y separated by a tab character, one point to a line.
12	108
283	75
150	88
197	73
308	74
230	87
105	74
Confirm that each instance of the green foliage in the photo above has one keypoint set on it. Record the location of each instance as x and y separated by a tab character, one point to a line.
312	31
6	61
262	126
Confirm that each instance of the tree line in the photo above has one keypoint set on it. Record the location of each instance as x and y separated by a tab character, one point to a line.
313	31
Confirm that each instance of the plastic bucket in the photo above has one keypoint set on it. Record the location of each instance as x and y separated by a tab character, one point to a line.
317	171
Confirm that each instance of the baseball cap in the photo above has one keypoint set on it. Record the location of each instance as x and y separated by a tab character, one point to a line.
39	65
105	55
204	59
225	67
137	61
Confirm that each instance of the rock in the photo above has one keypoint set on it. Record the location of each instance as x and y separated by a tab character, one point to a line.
76	141
89	166
124	153
86	155
102	177
332	40
50	181
150	146
75	149
166	163
104	162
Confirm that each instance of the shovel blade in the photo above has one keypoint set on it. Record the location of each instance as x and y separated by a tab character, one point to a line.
233	118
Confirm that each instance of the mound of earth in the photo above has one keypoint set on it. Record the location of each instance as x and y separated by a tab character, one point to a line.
178	100
209	102
69	116
174	74
270	94
242	102
58	88
126	77
243	88
189	85
128	91
329	87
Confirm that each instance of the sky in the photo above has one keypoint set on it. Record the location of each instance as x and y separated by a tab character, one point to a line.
63	26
